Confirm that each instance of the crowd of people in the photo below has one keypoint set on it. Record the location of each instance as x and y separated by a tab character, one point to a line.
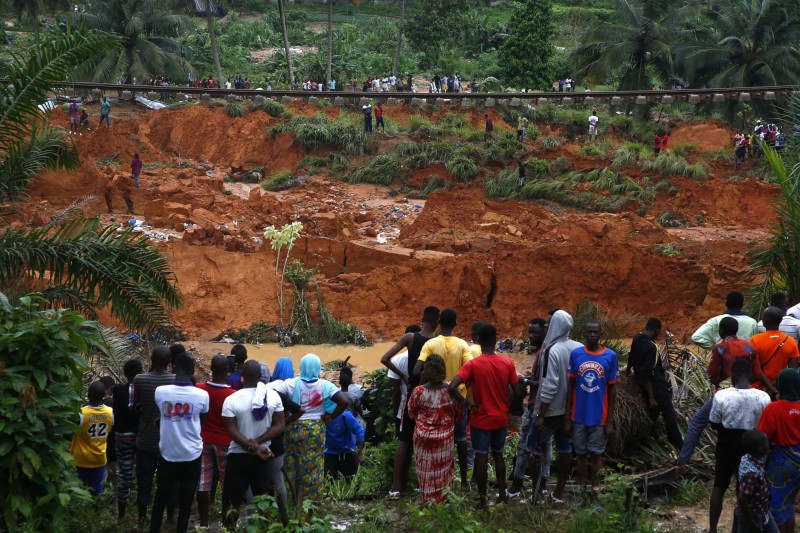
748	145
253	432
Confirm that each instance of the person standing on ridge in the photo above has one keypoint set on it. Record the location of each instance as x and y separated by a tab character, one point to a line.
136	169
379	118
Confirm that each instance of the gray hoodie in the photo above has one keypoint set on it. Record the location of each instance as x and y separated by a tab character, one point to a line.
553	384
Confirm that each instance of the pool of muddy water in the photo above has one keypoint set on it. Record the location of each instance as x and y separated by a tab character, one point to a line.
364	358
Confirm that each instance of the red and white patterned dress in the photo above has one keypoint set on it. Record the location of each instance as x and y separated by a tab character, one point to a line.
436	413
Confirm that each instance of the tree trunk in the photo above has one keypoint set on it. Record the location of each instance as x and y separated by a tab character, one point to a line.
289	69
330	39
212	34
396	59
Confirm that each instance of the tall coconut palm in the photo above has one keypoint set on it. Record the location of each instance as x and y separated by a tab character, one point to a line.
282	13
32	8
78	264
396	58
752	43
639	42
148	48
330	40
212	35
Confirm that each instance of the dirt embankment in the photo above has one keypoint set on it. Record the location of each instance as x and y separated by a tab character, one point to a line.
506	262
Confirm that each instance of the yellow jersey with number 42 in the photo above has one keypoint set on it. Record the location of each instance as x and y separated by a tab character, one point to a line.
89	442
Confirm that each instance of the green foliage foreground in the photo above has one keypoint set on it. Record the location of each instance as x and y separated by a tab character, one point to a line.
40	366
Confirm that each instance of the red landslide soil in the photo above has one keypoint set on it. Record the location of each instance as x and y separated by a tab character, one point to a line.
505	262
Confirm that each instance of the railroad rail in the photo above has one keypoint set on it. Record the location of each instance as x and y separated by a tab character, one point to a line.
642	97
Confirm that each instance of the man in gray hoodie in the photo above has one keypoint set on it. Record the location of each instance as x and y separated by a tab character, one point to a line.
551	400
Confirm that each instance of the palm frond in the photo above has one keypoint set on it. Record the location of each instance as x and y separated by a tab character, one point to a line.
109	352
120	270
46	150
33	75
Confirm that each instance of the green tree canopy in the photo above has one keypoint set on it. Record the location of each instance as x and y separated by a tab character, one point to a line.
637	45
525	54
77	264
148	44
434	26
752	43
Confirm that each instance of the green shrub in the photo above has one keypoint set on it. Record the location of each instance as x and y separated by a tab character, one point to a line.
462	167
501	185
559	165
272	108
536	168
550	142
546	113
684	149
434	184
42	366
234	109
667	164
280	181
382	170
592	150
319	131
669	250
423	127
629	153
313	161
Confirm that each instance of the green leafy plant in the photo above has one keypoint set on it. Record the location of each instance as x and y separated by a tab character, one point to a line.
381	170
280	181
271	107
668	249
234	109
41	364
280	239
550	142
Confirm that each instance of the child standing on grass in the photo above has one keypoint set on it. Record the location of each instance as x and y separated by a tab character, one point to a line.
752	509
88	447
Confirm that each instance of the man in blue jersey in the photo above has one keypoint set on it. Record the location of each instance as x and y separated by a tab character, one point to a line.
593	372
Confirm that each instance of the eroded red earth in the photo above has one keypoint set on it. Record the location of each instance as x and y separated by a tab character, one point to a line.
505	262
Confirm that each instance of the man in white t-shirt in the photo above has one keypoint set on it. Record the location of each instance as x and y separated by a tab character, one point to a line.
734	411
182	407
593	120
399	388
253	416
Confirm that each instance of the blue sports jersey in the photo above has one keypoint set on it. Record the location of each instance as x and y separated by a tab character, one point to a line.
593	372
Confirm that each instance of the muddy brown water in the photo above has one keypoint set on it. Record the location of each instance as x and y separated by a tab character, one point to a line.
364	358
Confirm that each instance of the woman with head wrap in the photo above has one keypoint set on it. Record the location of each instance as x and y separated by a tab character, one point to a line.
781	422
284	369
321	402
435	412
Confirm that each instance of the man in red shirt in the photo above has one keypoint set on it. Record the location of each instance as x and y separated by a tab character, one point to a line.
215	437
490	377
664	141
657	144
379	117
775	349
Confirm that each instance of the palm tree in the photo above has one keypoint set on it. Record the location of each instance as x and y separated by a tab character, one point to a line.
212	35
330	40
752	43
289	70
638	41
77	263
396	58
777	266
31	7
146	31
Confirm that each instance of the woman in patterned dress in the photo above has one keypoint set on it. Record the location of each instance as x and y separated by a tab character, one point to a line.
436	413
305	439
781	422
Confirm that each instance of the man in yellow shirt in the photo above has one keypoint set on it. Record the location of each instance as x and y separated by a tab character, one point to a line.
456	353
89	442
